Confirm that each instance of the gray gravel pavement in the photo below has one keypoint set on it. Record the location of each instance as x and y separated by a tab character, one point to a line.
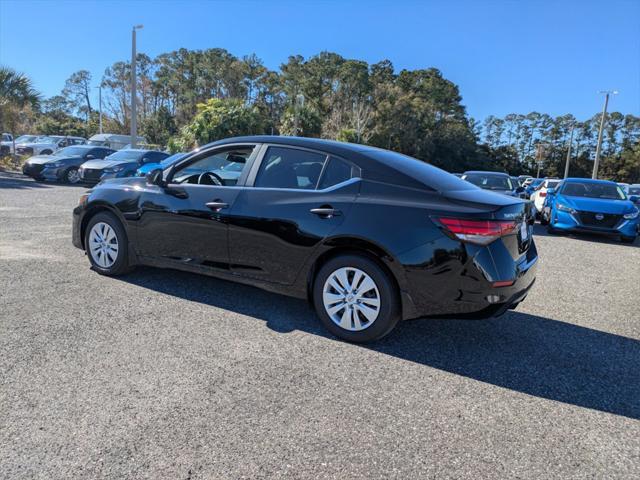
162	374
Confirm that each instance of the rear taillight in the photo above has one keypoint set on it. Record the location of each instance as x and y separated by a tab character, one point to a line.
481	232
543	194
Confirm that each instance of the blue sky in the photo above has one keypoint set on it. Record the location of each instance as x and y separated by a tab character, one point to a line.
506	56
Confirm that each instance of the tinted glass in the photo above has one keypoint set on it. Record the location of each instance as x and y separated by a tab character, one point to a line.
489	182
337	171
290	168
634	190
72	151
593	190
226	165
100	152
127	155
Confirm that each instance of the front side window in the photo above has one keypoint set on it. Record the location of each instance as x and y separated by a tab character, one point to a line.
290	168
222	167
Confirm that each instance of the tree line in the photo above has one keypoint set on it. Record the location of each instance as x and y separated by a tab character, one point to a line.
190	97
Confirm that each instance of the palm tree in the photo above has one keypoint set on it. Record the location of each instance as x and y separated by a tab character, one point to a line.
16	92
16	88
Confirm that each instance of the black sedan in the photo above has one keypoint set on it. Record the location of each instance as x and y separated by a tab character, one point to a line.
120	164
495	181
369	236
63	165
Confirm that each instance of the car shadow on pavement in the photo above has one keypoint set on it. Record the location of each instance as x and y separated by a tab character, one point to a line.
526	353
20	181
541	231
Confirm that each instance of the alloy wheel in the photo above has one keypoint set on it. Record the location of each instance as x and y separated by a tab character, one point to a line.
73	176
351	299
103	245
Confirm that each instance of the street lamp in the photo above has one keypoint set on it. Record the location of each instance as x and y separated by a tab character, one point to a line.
602	120
134	117
99	87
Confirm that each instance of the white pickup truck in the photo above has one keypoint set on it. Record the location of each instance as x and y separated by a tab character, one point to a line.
47	145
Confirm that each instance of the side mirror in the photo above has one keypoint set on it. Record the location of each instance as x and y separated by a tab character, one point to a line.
154	177
551	191
634	198
90	157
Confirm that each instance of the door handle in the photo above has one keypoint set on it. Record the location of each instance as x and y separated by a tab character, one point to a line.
216	205
325	212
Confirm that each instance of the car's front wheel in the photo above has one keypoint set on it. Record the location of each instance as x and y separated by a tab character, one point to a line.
355	298
72	176
106	244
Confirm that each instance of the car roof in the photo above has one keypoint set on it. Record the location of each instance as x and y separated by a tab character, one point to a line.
484	172
589	180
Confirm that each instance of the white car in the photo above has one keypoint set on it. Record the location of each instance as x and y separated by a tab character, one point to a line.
47	145
538	197
7	141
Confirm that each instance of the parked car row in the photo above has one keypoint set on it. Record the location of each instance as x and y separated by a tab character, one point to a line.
89	164
573	204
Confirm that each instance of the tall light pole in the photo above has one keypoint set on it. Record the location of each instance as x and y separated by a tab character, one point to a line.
566	166
602	120
99	87
134	115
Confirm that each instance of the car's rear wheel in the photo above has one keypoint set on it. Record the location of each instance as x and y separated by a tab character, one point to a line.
72	175
355	298
106	244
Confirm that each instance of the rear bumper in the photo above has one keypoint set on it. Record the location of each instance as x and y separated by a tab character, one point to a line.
567	222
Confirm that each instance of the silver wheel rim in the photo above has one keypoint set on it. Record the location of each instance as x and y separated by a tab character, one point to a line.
73	176
103	245
351	299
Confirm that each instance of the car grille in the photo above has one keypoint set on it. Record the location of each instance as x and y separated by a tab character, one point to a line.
24	150
91	174
608	220
32	169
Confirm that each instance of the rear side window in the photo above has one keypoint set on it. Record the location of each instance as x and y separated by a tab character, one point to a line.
290	168
336	171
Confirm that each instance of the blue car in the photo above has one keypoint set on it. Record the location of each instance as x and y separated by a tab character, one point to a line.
532	187
593	206
146	168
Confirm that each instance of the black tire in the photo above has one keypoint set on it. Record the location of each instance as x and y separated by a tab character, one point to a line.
624	239
551	230
121	264
67	173
389	312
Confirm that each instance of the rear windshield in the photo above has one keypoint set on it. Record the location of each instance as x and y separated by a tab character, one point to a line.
593	190
423	172
634	190
489	181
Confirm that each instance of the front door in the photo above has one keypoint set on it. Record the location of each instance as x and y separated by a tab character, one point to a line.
187	219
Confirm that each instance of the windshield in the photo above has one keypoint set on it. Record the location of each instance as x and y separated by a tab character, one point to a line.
25	138
126	155
634	190
72	151
552	183
537	182
45	140
97	143
489	181
173	158
593	190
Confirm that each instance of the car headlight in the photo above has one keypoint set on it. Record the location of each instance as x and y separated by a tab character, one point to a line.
114	169
631	215
565	208
83	199
55	164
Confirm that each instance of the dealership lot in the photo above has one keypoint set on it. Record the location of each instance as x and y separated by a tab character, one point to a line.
163	374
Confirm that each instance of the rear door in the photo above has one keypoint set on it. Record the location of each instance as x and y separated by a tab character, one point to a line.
294	198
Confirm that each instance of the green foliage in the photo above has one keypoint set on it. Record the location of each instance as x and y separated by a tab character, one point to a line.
217	119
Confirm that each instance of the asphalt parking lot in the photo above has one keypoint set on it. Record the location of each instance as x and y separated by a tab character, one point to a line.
162	374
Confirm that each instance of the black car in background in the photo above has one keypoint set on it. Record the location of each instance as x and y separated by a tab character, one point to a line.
122	163
369	236
63	165
495	181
